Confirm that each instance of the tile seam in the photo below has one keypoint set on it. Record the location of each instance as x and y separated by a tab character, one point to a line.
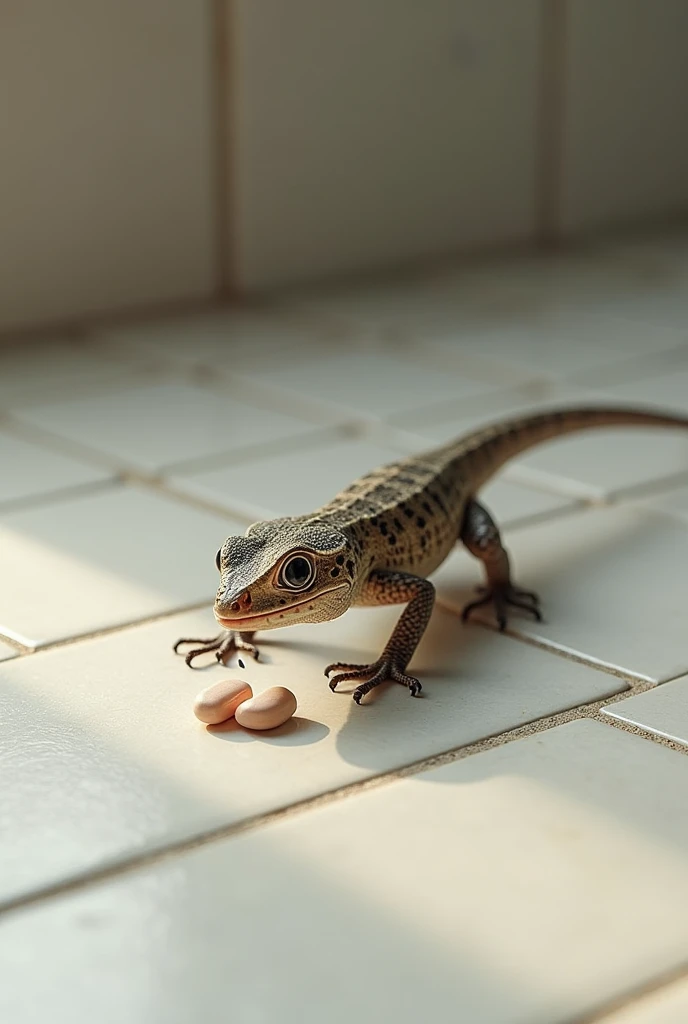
608	1010
588	711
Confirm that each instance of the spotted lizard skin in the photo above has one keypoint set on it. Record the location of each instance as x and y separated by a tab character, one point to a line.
378	540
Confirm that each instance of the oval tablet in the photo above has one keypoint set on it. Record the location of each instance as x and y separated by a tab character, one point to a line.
268	709
220	701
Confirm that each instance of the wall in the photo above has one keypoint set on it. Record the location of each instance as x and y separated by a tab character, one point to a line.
162	151
106	163
369	131
625	112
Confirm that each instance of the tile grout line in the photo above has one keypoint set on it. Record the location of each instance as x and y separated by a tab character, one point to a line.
222	176
44	498
609	1009
120	627
633	681
561	652
551	121
588	711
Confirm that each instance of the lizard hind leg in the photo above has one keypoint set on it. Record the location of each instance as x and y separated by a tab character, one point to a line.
223	645
481	536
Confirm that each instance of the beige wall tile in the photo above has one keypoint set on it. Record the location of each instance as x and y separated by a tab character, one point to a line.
371	133
106	178
624	122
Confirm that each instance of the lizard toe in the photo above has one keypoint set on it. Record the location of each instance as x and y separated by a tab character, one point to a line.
343	666
356	672
501	597
222	646
411	682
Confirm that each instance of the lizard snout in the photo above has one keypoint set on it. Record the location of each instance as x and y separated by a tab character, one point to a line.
242	603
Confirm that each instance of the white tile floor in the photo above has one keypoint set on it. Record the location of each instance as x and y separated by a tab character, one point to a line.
531	866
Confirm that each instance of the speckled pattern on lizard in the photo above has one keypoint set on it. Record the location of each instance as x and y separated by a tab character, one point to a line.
377	542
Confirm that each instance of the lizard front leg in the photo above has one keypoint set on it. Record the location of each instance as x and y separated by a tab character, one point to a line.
223	645
481	536
391	588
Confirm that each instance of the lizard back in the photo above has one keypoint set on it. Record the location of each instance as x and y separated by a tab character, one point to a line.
408	514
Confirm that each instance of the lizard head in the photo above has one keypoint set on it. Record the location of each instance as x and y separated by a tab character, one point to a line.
284	572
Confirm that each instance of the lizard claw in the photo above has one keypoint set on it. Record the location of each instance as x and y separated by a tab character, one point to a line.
502	597
223	645
380	671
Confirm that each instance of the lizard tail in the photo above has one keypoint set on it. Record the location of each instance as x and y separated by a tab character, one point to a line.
486	450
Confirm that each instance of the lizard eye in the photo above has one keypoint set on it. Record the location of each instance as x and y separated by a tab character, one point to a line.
218	560
297	573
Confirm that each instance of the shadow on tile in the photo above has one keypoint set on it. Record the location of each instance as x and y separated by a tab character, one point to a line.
105	760
297	732
476	684
532	883
604	580
112	557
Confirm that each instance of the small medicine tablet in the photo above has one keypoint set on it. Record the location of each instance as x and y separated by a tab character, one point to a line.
268	709
221	700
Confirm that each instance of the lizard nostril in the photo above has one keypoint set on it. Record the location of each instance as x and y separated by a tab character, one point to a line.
242	603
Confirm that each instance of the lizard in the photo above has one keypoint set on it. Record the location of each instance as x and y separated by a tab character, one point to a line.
378	541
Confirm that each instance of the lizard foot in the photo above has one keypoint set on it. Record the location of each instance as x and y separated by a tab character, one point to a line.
223	645
502	597
379	672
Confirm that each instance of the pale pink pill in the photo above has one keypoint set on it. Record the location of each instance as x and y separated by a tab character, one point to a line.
268	709
220	701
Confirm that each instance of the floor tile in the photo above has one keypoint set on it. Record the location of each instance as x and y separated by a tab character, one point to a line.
439	422
460	298
532	883
663	710
85	563
534	316
7	652
667	1006
151	427
560	343
619	462
610	464
600	464
467	294
635	370
675	502
303	481
228	339
41	371
105	758
667	390
606	588
30	471
658	308
376	384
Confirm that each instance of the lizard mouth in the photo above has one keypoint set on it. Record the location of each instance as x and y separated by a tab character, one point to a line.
278	617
